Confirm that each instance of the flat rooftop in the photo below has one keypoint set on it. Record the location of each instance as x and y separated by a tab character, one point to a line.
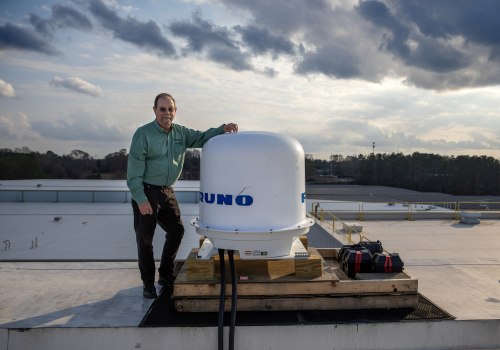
79	274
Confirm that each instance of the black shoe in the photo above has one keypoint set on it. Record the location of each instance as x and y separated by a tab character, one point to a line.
149	292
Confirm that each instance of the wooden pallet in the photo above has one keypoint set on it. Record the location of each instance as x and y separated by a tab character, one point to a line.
272	287
207	270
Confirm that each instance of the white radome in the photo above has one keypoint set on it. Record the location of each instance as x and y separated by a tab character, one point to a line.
252	194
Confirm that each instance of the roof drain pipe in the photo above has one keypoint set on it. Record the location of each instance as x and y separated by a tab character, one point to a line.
234	295
222	299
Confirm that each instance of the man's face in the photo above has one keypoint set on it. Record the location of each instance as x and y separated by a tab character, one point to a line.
165	112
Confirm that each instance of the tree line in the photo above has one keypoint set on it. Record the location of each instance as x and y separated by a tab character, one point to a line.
22	163
425	172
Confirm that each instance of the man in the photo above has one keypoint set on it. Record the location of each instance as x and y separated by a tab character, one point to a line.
155	162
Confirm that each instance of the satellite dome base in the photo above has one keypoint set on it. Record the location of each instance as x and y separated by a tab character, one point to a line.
273	244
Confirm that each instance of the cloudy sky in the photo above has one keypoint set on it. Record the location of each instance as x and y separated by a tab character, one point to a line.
338	75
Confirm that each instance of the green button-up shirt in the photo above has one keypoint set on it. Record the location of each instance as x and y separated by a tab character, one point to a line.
156	156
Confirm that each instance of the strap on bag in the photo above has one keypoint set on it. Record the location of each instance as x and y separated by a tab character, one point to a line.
388	264
357	262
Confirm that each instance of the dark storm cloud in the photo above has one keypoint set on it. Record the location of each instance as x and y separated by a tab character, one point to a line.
260	41
42	26
446	43
474	21
62	17
434	44
428	21
230	57
216	41
378	13
428	54
142	34
477	21
286	17
435	57
331	60
13	36
316	22
201	34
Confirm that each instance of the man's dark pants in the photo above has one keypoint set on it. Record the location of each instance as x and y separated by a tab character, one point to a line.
167	214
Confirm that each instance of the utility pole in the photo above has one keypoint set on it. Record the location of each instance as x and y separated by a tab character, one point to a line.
373	161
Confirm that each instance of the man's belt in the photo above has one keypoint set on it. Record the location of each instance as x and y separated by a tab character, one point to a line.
157	187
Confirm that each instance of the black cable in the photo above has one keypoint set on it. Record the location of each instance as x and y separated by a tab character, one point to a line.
234	295
222	299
